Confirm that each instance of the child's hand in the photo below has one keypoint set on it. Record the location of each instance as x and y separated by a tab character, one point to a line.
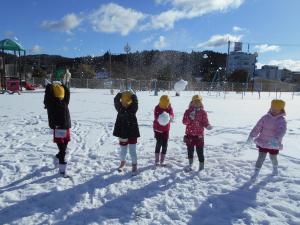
249	140
209	127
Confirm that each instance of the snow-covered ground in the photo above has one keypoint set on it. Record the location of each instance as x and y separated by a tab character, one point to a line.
32	193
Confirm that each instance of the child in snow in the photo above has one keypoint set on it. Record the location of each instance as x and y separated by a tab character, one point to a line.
195	119
163	114
56	102
126	127
268	134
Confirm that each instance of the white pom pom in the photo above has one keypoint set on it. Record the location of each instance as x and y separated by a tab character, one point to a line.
163	119
180	85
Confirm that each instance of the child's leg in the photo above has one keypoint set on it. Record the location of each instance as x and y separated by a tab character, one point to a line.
200	154
61	157
132	151
158	147
123	153
273	158
164	150
189	140
62	152
260	160
190	154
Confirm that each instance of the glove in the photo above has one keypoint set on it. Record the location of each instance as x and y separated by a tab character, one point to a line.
209	127
192	115
249	140
274	143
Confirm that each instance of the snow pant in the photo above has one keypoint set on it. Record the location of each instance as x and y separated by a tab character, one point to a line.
62	147
263	154
131	144
161	142
199	151
191	143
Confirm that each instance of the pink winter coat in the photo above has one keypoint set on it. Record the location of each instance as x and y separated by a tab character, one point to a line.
195	127
269	131
157	111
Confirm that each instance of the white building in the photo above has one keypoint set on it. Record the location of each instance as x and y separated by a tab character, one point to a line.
269	72
241	61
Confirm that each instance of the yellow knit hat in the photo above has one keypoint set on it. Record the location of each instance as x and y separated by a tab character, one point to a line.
164	101
197	98
126	98
59	91
277	104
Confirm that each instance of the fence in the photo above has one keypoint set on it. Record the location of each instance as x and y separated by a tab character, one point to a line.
145	85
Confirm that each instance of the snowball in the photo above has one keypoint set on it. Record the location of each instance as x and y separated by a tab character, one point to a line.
164	119
180	85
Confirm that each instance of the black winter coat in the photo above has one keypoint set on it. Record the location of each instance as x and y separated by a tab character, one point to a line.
58	111
126	125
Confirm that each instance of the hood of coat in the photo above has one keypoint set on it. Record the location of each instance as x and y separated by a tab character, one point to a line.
282	113
191	107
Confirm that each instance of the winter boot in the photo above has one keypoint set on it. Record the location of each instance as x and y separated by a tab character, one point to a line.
134	169
201	166
122	166
62	168
56	160
189	167
275	171
162	159
156	159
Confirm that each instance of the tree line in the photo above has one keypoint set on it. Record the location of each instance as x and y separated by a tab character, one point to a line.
145	65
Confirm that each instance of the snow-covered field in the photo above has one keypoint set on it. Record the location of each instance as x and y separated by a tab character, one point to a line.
32	193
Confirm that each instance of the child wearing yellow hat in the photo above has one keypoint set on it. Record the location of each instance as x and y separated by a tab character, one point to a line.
163	114
268	134
56	101
126	127
195	118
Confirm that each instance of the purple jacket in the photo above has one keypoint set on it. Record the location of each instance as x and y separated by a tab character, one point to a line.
269	131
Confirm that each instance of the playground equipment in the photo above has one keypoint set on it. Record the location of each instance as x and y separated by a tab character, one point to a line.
28	86
8	83
13	86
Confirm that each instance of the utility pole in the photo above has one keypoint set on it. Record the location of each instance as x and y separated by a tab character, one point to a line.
110	64
127	50
227	60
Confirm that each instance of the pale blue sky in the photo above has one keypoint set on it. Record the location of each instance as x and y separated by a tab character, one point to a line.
81	27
